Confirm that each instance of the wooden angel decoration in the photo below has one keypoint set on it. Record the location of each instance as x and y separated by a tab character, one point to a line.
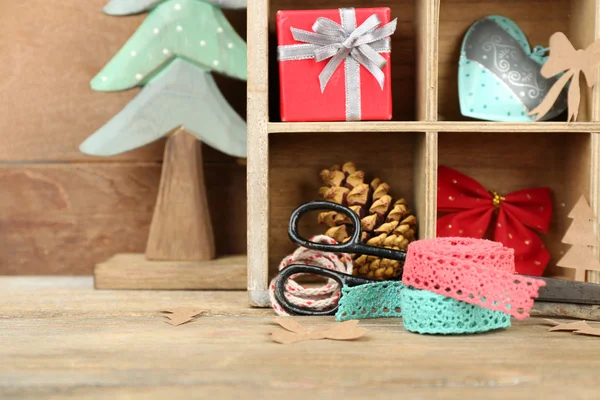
171	56
583	239
571	63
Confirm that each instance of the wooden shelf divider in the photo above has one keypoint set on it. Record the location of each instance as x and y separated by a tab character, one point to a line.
432	126
258	153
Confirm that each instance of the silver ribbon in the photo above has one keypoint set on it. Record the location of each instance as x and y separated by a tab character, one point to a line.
346	42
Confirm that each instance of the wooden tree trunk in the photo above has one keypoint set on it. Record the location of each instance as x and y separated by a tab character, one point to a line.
181	229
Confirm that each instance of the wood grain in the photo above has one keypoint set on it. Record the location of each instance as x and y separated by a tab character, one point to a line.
48	107
425	183
586	312
583	33
258	153
135	271
63	340
181	229
226	191
594	193
426	59
64	218
61	219
441	127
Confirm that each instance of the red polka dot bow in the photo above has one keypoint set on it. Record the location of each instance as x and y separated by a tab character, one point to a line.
471	208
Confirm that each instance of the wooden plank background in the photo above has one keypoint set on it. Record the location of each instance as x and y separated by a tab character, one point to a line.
63	340
60	210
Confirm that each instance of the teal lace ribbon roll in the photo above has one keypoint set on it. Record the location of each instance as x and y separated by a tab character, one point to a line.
421	311
373	300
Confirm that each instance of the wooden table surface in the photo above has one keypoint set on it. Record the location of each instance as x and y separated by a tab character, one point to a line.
59	338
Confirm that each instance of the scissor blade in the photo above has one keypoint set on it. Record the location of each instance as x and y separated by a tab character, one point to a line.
565	291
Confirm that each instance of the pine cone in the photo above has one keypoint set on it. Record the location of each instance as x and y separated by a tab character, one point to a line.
385	223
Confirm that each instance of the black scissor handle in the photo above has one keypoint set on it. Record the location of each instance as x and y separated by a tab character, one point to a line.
353	245
341	278
348	247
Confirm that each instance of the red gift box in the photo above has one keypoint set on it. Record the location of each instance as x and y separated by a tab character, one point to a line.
334	64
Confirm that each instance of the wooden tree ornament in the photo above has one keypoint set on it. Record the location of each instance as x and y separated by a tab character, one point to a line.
172	55
131	7
582	237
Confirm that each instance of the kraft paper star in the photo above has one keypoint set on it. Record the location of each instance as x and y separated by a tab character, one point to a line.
573	326
179	316
294	332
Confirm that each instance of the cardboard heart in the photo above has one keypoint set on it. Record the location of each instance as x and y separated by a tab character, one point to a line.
499	77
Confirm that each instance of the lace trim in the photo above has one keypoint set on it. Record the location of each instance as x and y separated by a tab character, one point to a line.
475	271
421	311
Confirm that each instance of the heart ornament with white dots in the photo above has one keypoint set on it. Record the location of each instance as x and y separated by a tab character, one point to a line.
499	76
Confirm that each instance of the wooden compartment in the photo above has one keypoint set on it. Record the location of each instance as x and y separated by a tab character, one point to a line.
427	131
538	19
508	162
403	54
296	160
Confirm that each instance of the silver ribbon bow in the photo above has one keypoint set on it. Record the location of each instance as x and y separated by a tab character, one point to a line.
346	42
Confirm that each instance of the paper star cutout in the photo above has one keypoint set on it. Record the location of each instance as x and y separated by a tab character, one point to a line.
589	331
579	327
295	332
573	326
179	316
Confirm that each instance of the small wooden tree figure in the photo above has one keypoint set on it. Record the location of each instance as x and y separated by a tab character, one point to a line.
172	55
582	237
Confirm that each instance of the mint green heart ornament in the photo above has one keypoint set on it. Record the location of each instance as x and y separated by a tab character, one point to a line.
499	76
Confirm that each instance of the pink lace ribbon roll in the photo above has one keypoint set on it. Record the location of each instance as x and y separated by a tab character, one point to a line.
475	271
318	298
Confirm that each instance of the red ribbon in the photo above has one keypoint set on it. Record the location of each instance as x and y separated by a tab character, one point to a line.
472	207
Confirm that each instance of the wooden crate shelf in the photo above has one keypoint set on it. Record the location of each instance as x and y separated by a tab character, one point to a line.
425	126
426	131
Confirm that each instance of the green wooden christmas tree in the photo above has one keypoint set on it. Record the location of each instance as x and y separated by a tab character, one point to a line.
193	30
130	7
172	56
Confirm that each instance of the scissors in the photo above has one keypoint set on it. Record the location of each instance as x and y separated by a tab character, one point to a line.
555	290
